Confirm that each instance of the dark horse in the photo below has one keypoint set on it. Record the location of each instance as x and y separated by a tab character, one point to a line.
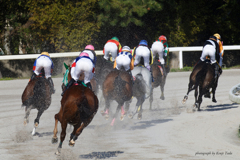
202	80
37	95
117	86
67	77
78	106
142	88
159	79
102	69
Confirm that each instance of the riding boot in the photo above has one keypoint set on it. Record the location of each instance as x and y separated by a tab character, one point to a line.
70	83
33	76
51	84
89	85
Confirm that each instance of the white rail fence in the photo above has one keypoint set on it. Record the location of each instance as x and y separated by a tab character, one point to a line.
178	50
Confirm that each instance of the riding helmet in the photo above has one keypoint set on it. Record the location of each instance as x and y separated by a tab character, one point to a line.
90	47
217	36
45	53
126	48
115	38
162	37
143	42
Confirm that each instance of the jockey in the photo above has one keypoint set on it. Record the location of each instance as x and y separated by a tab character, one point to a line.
143	51
160	47
84	63
44	61
125	60
214	49
112	46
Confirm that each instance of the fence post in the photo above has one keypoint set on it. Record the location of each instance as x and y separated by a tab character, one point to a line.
180	59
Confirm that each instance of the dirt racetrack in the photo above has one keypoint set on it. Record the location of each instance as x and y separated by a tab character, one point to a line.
170	131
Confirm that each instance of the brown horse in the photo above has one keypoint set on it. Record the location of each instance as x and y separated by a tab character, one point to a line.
159	79
81	78
202	80
117	86
78	106
37	95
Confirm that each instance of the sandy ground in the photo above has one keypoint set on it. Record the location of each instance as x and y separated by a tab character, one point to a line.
170	131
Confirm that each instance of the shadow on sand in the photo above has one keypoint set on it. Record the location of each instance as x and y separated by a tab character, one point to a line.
221	107
101	155
43	134
146	124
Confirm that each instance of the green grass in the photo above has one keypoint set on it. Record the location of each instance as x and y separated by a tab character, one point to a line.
6	78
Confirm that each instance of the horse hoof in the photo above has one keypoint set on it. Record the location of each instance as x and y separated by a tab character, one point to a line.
71	143
103	113
139	116
130	116
54	140
214	100
162	97
25	122
122	117
36	124
106	116
57	153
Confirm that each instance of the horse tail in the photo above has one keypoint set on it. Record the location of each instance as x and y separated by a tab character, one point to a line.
83	107
119	85
139	83
201	75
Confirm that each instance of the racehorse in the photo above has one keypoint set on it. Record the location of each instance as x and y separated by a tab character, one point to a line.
117	86
67	77
159	79
141	90
37	95
78	106
202	80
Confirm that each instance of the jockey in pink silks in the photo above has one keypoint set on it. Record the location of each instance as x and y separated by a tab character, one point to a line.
84	63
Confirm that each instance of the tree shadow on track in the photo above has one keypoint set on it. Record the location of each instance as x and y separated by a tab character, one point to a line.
101	155
221	107
146	124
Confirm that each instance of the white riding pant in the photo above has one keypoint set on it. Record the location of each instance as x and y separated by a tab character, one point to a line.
112	48
43	62
123	61
158	48
144	52
209	50
83	65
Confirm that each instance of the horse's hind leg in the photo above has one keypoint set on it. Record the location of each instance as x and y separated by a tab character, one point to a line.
162	88
27	112
190	88
39	114
151	99
79	130
214	91
115	115
54	138
63	135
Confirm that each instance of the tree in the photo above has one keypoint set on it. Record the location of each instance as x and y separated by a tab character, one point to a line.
68	25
